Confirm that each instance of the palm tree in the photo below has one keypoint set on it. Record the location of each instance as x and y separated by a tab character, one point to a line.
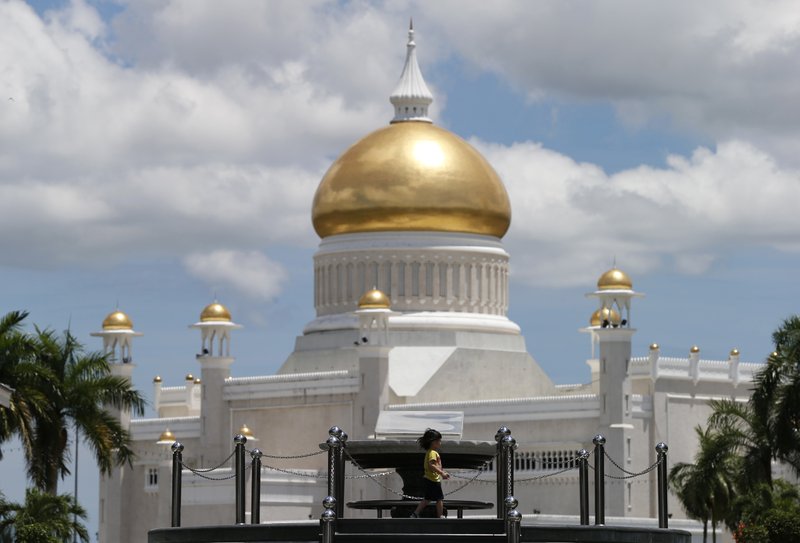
79	389
777	392
43	518
19	371
767	427
705	488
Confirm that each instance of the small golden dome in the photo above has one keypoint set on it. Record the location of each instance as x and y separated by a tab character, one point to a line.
734	352
774	354
197	381
215	312
694	349
411	176
157	379
600	315
117	320
189	377
614	279
374	299
654	346
166	438
247	432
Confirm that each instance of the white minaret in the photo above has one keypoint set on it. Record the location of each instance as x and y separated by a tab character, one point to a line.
613	336
215	361
117	334
373	361
411	97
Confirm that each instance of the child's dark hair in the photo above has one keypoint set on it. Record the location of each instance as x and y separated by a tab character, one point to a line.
428	437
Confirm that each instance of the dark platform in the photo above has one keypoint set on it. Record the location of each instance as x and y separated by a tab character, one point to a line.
422	530
403	508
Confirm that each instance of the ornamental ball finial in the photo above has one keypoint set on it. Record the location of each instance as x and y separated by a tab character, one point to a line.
177	447
662	447
599	439
335	431
256	453
329	502
583	453
509	441
510	502
502	432
239	439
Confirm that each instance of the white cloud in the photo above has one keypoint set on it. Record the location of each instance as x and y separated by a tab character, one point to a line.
570	219
187	128
249	272
721	68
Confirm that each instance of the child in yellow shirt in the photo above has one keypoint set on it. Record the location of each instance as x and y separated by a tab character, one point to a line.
431	440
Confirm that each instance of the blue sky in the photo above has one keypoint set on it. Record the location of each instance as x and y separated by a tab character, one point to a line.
154	154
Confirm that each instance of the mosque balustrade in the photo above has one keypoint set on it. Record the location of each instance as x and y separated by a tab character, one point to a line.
542	460
682	368
426	281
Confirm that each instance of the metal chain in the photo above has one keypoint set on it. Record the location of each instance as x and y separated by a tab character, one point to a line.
207	470
292	456
545	476
297	473
623	470
632	475
201	473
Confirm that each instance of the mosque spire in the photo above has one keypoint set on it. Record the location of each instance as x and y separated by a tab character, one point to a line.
411	96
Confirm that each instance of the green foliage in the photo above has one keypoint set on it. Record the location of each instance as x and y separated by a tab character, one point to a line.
43	518
59	386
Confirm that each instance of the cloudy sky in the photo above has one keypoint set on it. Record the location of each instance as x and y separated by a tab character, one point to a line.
156	154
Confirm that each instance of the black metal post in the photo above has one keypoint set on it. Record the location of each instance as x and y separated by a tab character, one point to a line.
599	476
663	514
239	440
513	520
255	487
333	444
583	483
500	464
328	519
338	479
177	468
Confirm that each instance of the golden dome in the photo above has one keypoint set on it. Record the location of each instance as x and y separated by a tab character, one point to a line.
734	352
614	279
411	176
600	315
166	438
654	347
189	377
215	312
157	379
197	381
117	320
694	349
374	299
247	432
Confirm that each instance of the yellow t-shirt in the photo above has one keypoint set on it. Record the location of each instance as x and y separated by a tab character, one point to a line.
431	475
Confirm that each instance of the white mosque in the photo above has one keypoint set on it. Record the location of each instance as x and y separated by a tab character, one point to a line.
411	298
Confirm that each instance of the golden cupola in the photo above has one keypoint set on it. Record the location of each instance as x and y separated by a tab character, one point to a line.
614	279
411	176
117	320
215	312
